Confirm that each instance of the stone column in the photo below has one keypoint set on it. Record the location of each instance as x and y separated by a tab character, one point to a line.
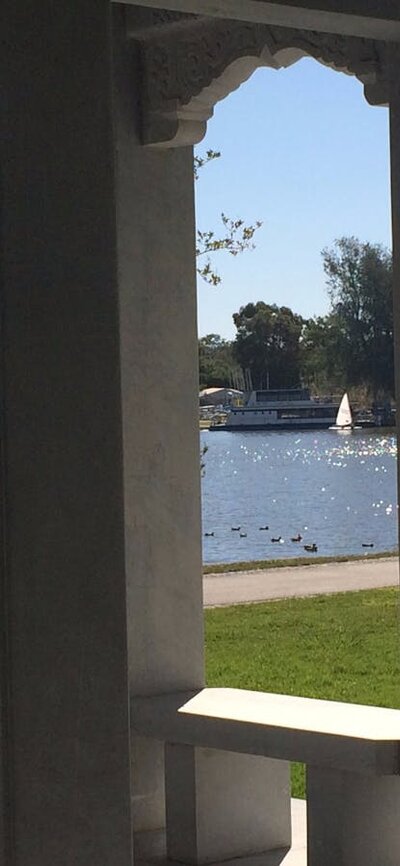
224	805
65	725
394	113
159	367
352	819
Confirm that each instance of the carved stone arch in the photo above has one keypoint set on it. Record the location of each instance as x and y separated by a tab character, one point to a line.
189	63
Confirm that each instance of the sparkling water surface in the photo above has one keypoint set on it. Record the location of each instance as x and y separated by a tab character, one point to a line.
335	489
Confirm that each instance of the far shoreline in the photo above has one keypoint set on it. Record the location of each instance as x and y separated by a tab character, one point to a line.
301	561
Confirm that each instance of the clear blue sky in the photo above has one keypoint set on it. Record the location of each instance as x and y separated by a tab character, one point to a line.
303	152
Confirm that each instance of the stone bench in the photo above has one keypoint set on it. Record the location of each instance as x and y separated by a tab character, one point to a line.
227	776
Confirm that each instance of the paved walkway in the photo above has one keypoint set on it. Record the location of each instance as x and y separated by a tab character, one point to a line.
243	587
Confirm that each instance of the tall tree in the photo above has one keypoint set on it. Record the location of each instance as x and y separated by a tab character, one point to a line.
359	281
321	356
268	344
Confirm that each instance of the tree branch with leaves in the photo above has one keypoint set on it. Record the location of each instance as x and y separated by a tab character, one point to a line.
236	237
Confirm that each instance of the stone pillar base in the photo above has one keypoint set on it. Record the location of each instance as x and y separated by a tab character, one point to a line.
352	820
222	806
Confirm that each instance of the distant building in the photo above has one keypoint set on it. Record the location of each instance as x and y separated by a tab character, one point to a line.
220	396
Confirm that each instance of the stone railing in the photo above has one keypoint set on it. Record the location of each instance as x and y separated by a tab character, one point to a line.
227	783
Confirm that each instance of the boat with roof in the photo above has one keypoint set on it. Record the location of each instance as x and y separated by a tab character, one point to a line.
281	409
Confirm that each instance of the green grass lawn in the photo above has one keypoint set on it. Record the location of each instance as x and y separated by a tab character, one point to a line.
342	647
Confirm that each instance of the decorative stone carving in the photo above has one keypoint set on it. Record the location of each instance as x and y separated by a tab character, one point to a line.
360	57
190	63
386	85
162	16
144	24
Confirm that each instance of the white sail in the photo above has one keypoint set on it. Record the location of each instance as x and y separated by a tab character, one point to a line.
344	417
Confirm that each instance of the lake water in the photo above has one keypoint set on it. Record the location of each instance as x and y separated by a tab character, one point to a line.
337	490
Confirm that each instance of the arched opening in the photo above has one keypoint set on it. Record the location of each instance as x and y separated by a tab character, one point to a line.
319	167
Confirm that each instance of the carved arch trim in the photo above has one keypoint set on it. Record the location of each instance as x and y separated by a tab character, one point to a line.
189	63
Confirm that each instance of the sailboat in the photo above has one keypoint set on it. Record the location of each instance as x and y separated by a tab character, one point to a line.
344	417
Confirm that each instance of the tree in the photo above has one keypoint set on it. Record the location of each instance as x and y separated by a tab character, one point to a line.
235	238
216	362
321	357
268	344
359	281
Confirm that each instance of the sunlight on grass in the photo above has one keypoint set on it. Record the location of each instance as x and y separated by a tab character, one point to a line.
342	647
